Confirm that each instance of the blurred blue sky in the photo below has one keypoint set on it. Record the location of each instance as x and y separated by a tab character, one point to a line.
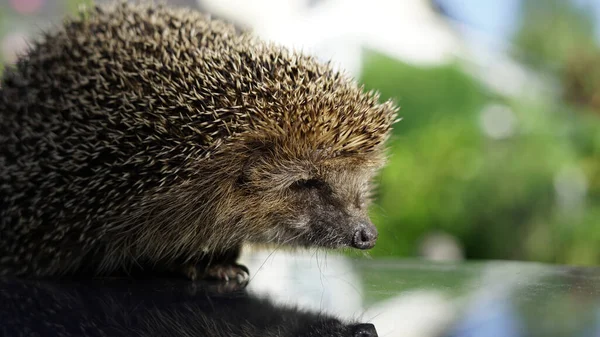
498	17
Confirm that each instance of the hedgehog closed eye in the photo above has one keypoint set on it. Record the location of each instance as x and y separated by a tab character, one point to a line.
308	184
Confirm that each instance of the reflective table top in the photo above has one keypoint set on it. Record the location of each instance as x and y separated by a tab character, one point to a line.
318	294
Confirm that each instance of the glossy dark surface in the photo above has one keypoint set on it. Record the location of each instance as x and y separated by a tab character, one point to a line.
318	295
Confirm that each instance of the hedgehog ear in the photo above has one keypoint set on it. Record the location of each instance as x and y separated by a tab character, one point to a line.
251	167
246	172
254	151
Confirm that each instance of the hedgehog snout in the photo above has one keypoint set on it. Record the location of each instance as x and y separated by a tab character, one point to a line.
365	236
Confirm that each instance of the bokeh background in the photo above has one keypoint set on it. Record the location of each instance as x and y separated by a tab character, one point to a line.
498	152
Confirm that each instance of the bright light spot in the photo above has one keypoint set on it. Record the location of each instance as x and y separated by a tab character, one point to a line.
26	6
439	246
12	45
498	121
570	185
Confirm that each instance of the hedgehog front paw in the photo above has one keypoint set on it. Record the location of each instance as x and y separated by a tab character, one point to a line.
228	272
221	272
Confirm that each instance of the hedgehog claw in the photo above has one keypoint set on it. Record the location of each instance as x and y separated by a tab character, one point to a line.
228	272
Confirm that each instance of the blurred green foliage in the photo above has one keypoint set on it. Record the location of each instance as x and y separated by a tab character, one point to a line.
499	197
443	172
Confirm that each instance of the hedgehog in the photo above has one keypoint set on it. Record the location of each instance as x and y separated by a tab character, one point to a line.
156	139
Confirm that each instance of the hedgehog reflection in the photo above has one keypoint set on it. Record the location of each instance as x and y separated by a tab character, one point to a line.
113	308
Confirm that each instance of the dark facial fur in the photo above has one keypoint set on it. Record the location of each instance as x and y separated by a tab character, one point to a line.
147	136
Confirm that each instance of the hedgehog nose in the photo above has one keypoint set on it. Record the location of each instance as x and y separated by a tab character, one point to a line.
364	330
365	236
